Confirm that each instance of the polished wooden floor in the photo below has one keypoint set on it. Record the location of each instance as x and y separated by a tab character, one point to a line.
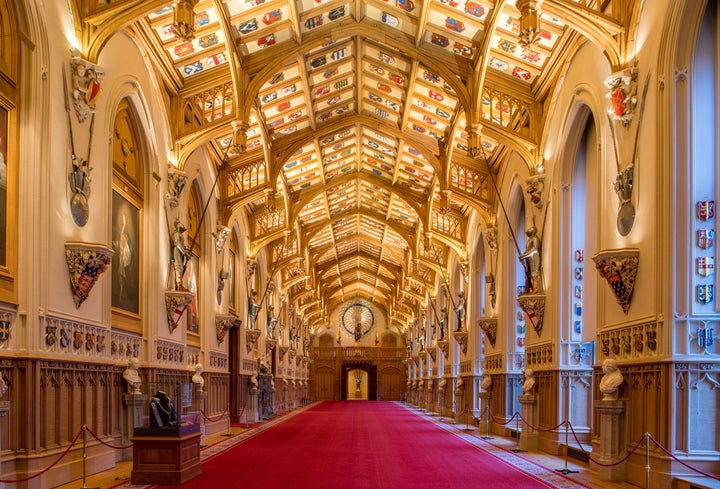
121	472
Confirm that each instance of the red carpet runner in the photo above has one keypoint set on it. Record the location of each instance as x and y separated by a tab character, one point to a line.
359	445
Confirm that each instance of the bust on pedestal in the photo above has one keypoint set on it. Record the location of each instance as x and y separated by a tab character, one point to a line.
199	383
133	401
611	381
485	394
528	400
612	446
132	376
197	378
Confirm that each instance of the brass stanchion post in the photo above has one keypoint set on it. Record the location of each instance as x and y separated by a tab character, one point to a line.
84	457
228	423
566	470
487	425
647	460
517	448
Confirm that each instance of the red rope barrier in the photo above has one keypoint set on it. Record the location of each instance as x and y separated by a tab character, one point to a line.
220	416
544	430
107	444
577	440
600	463
506	422
72	443
717	478
482	413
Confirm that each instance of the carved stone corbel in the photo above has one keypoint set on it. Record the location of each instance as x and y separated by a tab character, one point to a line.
433	353
622	93
176	181
221	235
176	301
444	346
462	338
251	336
534	307
85	262
269	345
619	268
86	79
489	327
535	186
223	323
282	351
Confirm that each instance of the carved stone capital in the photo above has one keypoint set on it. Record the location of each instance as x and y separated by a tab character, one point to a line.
534	307
85	262
282	351
619	268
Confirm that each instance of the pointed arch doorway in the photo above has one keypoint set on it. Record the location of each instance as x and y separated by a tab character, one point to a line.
359	381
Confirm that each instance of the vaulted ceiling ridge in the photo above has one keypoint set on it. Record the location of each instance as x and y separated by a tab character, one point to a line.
404	231
416	200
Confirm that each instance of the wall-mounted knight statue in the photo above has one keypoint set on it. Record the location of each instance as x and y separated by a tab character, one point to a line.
178	253
531	261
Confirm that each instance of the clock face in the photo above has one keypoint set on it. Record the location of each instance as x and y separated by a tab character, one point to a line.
357	319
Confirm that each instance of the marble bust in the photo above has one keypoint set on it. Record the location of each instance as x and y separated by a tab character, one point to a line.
197	378
611	381
529	383
132	376
486	382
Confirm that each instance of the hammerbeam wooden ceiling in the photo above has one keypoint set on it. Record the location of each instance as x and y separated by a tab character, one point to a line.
357	137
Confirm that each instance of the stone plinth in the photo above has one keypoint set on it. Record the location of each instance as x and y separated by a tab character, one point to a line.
4	408
202	395
612	446
485	399
133	404
529	436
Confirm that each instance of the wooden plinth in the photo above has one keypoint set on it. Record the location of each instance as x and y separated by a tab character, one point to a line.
165	459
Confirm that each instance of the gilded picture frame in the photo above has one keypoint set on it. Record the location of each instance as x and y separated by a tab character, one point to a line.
125	271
